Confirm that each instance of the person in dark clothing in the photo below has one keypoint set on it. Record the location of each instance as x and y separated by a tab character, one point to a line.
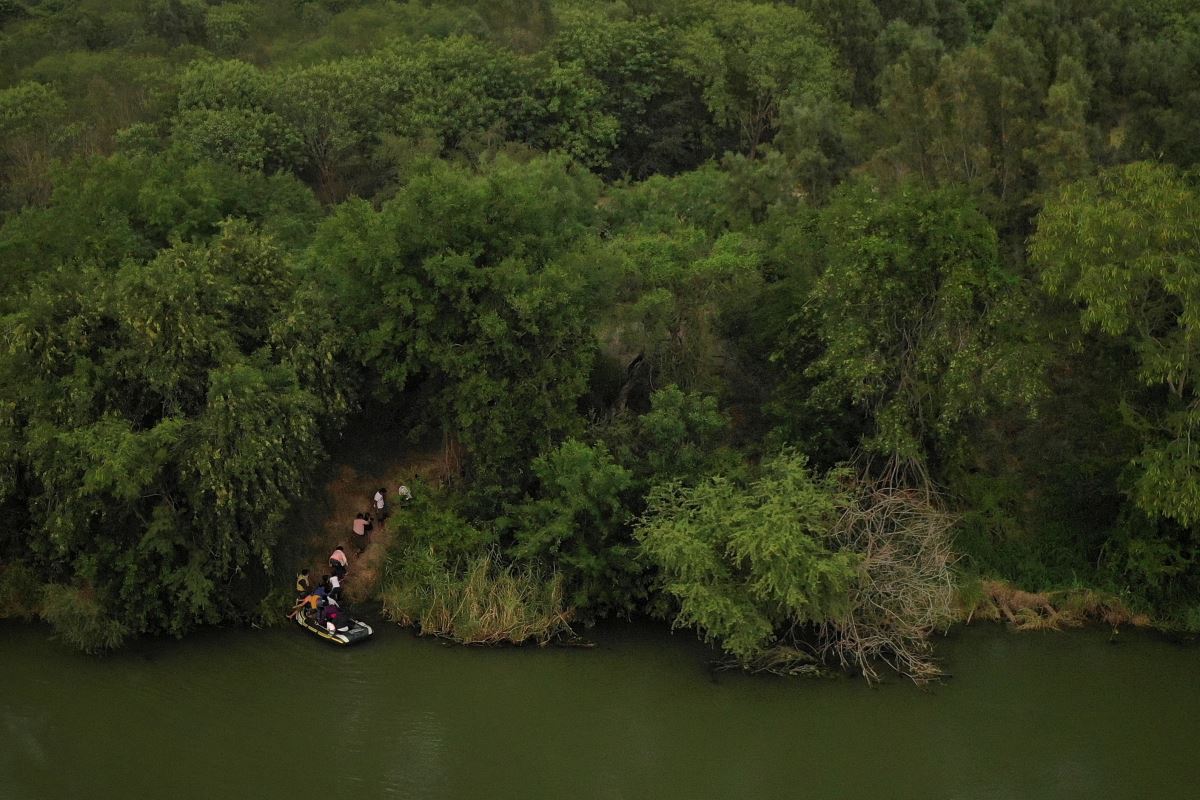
335	618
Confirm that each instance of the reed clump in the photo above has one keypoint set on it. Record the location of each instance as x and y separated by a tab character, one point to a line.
478	601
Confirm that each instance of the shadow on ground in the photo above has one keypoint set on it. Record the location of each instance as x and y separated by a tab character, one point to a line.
375	450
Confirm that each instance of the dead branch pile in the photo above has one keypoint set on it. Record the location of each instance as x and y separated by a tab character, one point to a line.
907	587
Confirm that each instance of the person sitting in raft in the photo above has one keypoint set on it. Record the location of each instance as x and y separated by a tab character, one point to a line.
312	601
338	561
336	619
321	592
323	612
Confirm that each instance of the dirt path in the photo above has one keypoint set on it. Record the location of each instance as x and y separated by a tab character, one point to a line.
378	460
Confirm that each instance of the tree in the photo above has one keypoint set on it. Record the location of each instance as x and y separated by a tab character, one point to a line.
902	103
853	28
671	288
222	84
969	117
225	113
920	325
334	111
1125	247
1158	81
574	119
631	82
104	210
30	118
679	435
458	288
821	139
176	21
159	433
576	519
749	57
455	91
226	27
1063	150
749	565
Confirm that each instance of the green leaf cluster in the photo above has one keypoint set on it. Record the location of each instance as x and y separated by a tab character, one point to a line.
747	564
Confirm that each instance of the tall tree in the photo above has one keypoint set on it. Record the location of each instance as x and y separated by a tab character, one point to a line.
457	287
160	431
920	324
1125	246
749	57
1063	153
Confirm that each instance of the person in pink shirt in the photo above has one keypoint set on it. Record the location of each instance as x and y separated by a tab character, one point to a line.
338	561
362	527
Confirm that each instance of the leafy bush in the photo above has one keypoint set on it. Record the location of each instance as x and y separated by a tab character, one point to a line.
20	591
80	619
577	520
748	564
794	565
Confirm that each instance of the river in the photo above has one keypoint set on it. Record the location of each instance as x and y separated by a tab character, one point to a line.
278	714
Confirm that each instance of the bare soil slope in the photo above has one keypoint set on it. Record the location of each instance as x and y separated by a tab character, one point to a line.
374	452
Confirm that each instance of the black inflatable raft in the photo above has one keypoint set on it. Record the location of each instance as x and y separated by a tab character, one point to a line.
353	632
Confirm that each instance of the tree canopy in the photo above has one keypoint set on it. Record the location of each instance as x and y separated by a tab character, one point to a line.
685	286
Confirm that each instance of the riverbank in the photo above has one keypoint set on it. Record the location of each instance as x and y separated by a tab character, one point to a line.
448	580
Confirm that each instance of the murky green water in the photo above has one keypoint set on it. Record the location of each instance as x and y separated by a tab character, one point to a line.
245	714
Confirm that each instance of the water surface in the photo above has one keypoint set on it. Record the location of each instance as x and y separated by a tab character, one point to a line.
278	714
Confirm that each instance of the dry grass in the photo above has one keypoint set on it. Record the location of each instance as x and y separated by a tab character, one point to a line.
1038	611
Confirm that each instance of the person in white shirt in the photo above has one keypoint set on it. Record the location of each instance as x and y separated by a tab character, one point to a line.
381	504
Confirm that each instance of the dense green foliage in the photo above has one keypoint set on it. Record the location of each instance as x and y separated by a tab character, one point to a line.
748	562
619	256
